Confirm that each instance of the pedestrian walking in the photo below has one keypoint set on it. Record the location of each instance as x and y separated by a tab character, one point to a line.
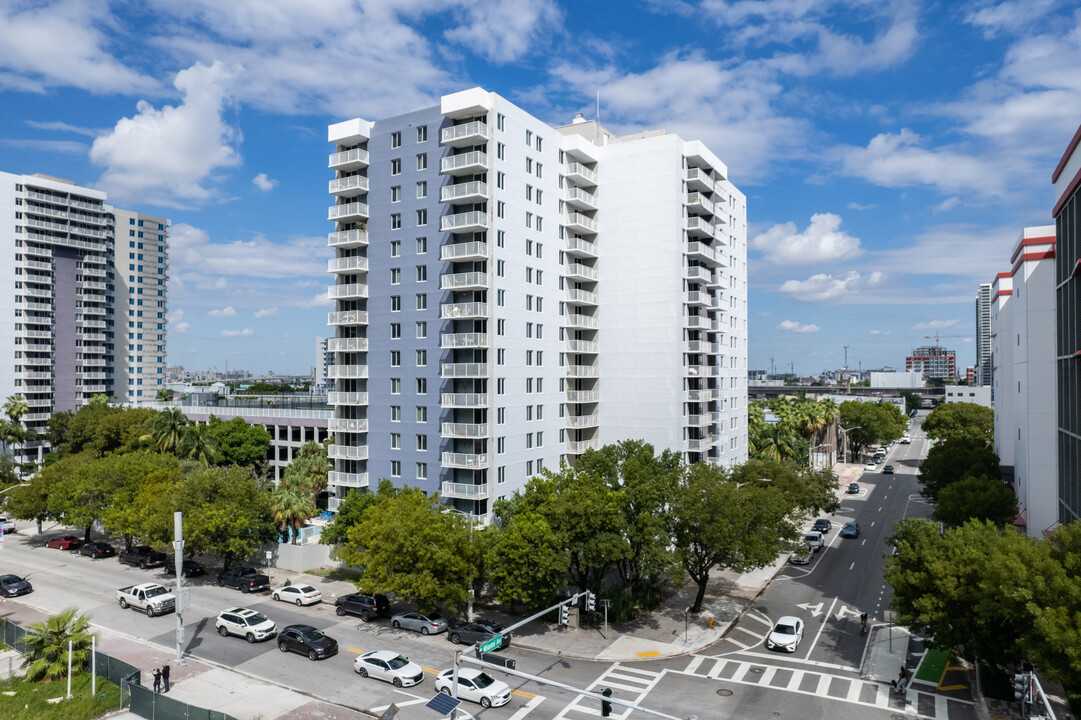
157	680
165	676
901	681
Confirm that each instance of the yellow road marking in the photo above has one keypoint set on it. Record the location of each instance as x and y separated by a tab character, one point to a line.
524	694
948	688
433	671
354	650
651	653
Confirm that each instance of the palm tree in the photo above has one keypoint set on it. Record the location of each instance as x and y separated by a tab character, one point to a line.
291	506
196	443
165	395
776	442
15	407
46	657
167	429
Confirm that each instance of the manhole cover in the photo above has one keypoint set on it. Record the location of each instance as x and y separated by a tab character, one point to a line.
758	670
724	692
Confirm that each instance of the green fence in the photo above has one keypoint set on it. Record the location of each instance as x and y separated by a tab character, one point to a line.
155	706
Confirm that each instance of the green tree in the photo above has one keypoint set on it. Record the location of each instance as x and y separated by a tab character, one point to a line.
74	496
809	492
960	420
526	562
351	511
870	422
912	401
240	442
290	507
32	501
1056	646
950	461
777	441
411	545
13	432
976	497
119	430
718	524
166	429
309	468
198	444
47	651
164	395
127	511
82	430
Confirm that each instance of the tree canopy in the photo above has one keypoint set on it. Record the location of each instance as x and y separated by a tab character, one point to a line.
238	441
961	420
979	497
953	460
868	423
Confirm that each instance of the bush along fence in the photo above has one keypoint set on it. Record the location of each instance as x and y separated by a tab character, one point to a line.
143	701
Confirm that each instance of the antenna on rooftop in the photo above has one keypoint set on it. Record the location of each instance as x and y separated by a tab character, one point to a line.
846	358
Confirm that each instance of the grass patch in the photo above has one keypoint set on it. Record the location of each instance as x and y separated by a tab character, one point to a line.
335	573
934	662
1074	698
29	700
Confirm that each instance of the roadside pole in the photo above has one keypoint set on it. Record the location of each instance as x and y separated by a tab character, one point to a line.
181	591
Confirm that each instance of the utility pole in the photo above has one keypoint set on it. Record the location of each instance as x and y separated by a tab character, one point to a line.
181	592
846	358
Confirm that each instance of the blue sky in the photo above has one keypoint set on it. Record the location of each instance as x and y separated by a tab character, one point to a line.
891	152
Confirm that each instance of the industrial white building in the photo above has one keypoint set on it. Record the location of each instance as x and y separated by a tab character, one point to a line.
510	294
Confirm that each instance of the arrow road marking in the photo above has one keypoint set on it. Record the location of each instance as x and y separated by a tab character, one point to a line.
846	611
815	610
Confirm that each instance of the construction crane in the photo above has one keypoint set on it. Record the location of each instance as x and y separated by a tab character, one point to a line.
936	336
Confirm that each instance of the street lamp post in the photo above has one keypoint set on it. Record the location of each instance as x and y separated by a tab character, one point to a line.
845	431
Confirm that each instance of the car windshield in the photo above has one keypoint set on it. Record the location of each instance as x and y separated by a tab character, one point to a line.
306	589
483	680
785	629
256	619
811	538
154	592
313	634
851	526
398	662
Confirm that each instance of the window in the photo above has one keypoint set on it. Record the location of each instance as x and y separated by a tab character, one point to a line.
528	192
422	245
396	166
540	246
540	194
395	386
500	386
395	276
500	297
422	301
500	416
422	329
529	138
395	331
540	277
500	356
500	237
395	221
500	326
500	150
528	302
422	161
540	442
396	193
499	180
395	441
540	385
499	120
529	165
422	386
395	248
395	358
540	167
528	440
528	219
395	303
395	413
529	468
395	139
422	471
422	217
529	385
395	468
540	412
422	189
422	133
540	357
540	223
528	357
499	268
422	273
422	358
540	142
500	446
529	274
528	247
540	304
500	208
422	414
528	412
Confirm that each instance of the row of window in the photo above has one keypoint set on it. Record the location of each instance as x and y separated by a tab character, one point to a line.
396	136
396	164
396	247
396	191
396	469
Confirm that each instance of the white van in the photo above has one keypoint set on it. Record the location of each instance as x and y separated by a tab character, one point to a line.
814	540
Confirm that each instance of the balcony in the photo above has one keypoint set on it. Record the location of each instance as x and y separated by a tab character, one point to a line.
463	370
578	296
89	310
40	224
582	346
578	271
697	273
464	400
580	174
348	160
344	479
38	306
716	279
348	452
699	444
465	491
468	163
37	361
699	227
462	311
352	264
36	292
581	397
468	461
92	285
580	223
699	179
351	425
474	191
578	197
696	322
91	362
347	239
350	291
353	344
347	398
698	298
86	322
458	252
349	212
703	395
583	322
347	317
699	204
583	371
467	222
577	447
452	341
347	372
88	232
43	334
46	197
349	186
464	430
578	246
705	253
583	421
464	281
464	135
698	421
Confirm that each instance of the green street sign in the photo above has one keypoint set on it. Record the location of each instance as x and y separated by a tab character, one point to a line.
491	645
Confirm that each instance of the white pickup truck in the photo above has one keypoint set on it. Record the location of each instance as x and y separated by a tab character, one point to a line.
151	598
7	524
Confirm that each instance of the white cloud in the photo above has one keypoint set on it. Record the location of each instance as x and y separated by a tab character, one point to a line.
820	242
856	206
164	156
264	183
793	326
320	300
60	126
818	288
934	324
1013	16
246	332
176	321
947	204
519	23
67	147
879	332
229	311
190	248
972	252
266	313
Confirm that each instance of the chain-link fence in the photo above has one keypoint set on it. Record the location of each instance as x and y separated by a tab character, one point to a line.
155	706
12	635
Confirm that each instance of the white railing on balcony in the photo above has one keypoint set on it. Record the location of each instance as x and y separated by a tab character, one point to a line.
92	362
577	168
356	156
581	296
472	249
93	285
353	344
582	321
578	269
464	160
454	281
351	290
347	372
351	425
577	218
355	263
464	490
577	243
583	396
353	209
582	421
471	189
463	370
699	175
347	317
700	200
696	321
37	362
42	334
88	310
88	232
45	224
347	398
697	297
583	371
698	273
460	400
451	311
348	452
474	128
352	182
464	430
45	197
699	444
347	238
471	219
582	346
582	195
577	447
698	420
86	322
344	479
463	340
464	460
37	292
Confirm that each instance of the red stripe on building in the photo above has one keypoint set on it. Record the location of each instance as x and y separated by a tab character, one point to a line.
1028	242
1070	190
1002	292
1066	156
1033	256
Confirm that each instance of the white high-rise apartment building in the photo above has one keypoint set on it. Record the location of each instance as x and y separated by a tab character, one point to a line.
67	333
510	294
983	335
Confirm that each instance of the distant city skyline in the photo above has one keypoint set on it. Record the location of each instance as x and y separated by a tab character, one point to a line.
891	154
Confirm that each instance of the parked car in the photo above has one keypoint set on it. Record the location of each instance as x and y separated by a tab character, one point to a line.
245	579
388	666
823	525
801	556
299	594
366	606
474	685
786	634
189	569
888	470
65	542
97	550
814	539
871	466
306	640
151	598
853	488
14	586
851	530
142	556
424	624
7	524
245	623
476	632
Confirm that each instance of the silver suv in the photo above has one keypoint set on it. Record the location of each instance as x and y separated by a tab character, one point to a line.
245	623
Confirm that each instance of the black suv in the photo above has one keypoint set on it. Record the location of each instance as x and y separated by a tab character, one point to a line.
142	556
306	640
190	568
366	606
822	525
97	550
244	579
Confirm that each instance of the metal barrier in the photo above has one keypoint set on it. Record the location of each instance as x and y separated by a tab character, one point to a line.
155	706
12	635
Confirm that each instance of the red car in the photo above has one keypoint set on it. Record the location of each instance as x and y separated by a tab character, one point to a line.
65	542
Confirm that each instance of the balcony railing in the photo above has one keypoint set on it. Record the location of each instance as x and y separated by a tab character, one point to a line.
462	163
348	452
450	341
353	344
578	245
580	222
464	490
474	250
355	263
347	398
578	270
464	430
587	322
463	370
583	396
347	317
472	221
348	211
347	372
350	425
470	133
347	238
344	479
463	281
583	371
472	191
582	346
464	400
349	186
468	461
454	311
346	292
582	421
578	296
577	170
577	447
348	159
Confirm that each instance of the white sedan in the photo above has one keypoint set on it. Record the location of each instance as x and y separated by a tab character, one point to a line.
299	594
388	666
872	466
474	685
786	634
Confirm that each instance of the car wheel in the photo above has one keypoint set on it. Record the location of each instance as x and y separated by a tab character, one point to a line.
250	638
223	632
143	564
485	702
282	647
312	656
149	611
339	611
123	604
275	596
365	617
445	690
454	638
221	582
396	682
396	625
244	589
299	603
424	630
362	672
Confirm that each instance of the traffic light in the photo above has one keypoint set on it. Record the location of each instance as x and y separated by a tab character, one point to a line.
591	601
606	707
564	614
1020	687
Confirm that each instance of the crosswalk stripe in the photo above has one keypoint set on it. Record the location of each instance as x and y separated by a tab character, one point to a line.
715	671
696	661
749	632
795	680
941	707
741	672
767	676
629	678
525	710
854	689
625	668
882	699
737	642
823	685
619	686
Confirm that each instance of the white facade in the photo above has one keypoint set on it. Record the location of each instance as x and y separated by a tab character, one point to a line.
323	360
911	380
975	394
983	335
509	295
1025	386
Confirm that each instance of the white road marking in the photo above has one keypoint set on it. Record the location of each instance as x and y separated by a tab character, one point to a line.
715	671
854	689
821	627
695	662
749	632
737	642
534	702
863	542
852	566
